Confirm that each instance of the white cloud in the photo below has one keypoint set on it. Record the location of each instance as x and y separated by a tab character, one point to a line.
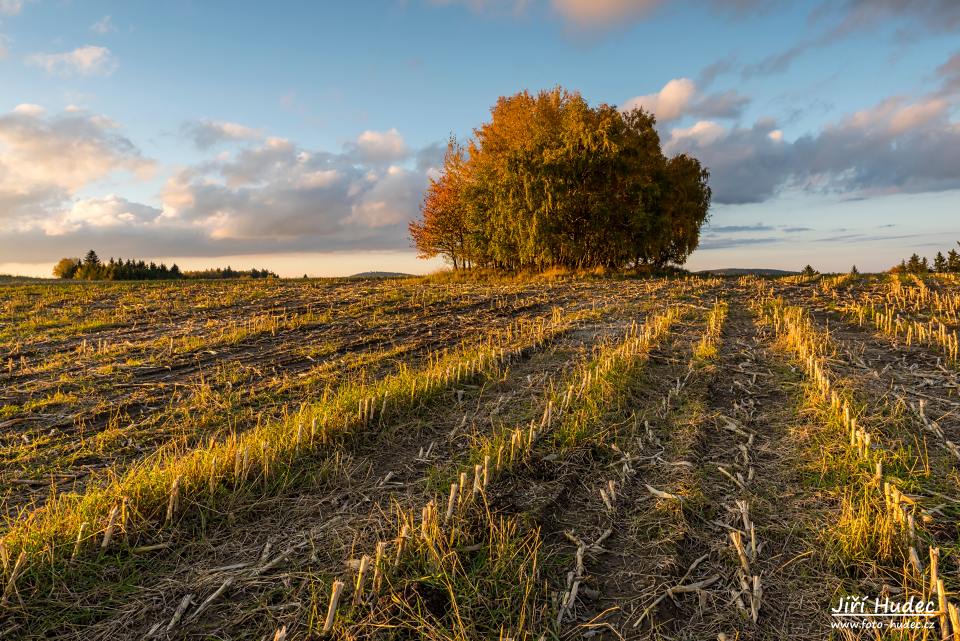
275	192
702	132
45	160
88	60
109	211
680	97
103	26
897	115
380	146
318	179
668	103
207	133
27	109
900	145
391	200
746	164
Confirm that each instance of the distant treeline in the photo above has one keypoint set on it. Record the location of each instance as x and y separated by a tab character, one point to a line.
90	267
550	181
922	265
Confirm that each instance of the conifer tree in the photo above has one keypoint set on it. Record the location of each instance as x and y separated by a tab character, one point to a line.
940	263
953	261
914	265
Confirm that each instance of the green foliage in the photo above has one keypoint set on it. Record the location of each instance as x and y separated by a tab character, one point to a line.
553	182
953	261
229	273
92	268
941	264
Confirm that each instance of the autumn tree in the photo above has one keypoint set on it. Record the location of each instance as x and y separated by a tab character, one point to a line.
66	267
551	181
442	231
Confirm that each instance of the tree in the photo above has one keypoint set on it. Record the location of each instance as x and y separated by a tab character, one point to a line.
854	271
551	181
809	271
686	204
66	268
92	268
953	261
914	265
443	228
940	263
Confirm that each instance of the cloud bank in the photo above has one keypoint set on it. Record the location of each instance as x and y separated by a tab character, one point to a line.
46	160
900	145
268	194
280	193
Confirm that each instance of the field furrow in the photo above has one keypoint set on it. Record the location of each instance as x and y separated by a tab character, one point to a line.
333	461
344	516
596	458
126	420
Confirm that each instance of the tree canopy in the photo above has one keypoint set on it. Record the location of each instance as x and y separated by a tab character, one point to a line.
551	181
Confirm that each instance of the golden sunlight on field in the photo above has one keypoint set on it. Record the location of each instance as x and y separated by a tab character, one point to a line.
658	458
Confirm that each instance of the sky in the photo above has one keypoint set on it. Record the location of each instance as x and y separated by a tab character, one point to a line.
299	136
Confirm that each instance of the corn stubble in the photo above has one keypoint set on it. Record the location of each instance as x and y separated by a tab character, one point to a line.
467	560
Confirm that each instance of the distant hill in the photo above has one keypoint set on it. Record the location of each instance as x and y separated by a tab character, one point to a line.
381	275
737	271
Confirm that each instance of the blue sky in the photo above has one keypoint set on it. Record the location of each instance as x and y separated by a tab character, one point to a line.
300	135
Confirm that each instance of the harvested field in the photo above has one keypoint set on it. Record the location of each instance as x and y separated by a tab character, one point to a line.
540	459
